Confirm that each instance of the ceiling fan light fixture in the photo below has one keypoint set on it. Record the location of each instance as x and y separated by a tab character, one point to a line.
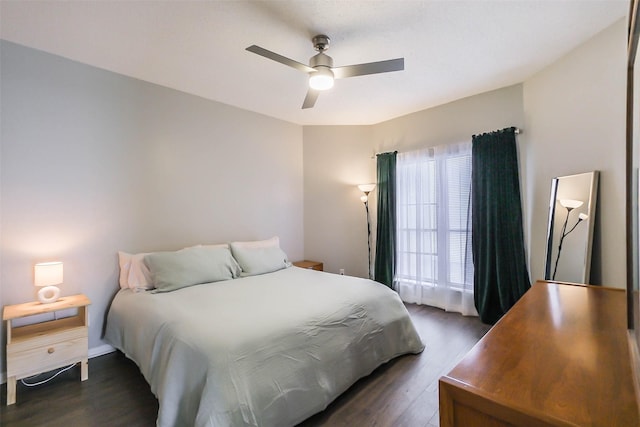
321	79
321	71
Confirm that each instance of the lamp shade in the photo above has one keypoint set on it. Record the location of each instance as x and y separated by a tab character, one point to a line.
321	79
571	204
366	188
48	273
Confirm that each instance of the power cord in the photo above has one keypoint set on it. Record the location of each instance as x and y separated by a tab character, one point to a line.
48	379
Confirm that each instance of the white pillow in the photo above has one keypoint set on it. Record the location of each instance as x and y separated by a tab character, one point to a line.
217	245
134	273
268	243
260	256
124	263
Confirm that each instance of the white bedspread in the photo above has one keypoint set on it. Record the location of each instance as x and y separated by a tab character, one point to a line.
268	350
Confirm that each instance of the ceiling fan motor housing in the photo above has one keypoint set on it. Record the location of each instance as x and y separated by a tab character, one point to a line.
321	60
321	42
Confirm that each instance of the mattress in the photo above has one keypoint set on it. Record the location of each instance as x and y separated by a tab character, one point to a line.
267	350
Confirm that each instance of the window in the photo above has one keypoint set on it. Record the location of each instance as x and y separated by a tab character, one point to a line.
434	264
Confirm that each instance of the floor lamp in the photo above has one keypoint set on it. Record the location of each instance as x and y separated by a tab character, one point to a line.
366	189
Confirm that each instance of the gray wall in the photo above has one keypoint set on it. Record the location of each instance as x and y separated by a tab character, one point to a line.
336	160
93	162
575	119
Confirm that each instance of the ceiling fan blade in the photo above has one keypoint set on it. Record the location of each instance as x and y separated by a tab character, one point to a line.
310	99
279	58
369	68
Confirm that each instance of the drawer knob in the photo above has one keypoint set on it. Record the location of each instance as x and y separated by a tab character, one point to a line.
51	350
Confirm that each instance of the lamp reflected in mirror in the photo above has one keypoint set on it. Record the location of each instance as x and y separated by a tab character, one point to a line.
569	205
572	208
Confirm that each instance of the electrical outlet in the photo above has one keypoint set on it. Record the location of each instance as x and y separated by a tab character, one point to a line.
342	271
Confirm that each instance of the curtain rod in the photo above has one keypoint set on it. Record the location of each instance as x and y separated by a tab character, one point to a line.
517	131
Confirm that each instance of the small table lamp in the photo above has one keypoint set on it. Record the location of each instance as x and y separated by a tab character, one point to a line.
48	274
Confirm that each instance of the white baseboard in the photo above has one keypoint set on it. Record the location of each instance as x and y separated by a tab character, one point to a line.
100	350
93	352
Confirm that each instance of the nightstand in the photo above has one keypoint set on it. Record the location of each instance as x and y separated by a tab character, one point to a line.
41	347
311	265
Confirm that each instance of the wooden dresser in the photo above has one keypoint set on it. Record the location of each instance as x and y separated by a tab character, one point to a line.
559	357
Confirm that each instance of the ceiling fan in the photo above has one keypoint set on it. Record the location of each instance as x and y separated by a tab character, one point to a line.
321	70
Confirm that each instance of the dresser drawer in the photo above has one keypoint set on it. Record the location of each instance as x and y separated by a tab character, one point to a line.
30	361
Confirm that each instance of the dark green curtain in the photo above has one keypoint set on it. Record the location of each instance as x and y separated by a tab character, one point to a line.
384	267
499	262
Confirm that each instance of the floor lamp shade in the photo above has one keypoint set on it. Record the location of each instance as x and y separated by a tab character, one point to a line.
46	276
366	188
571	204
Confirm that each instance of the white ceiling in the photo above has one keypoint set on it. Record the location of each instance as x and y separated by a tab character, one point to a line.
452	49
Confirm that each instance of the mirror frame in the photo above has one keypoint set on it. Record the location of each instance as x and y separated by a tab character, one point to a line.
632	189
590	208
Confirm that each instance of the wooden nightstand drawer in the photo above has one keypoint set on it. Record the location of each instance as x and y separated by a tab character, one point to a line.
44	358
36	335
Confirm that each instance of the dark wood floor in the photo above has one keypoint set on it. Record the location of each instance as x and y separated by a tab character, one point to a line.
403	392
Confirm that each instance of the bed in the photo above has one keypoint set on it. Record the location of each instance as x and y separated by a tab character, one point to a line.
269	349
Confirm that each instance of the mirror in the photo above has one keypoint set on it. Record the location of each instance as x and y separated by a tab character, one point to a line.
572	209
633	189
